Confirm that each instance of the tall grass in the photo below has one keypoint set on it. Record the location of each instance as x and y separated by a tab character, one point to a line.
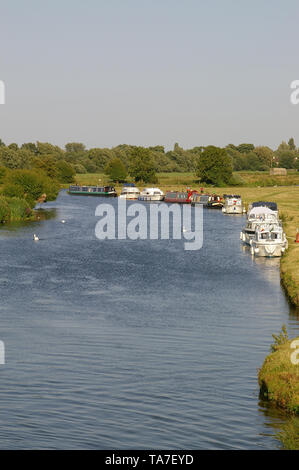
13	209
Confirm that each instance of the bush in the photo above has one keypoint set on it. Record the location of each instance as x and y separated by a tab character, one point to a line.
30	185
4	210
13	190
19	208
79	168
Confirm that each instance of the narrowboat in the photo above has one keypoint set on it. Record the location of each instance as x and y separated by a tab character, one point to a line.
202	199
211	201
92	190
257	216
181	197
151	194
233	204
269	241
129	192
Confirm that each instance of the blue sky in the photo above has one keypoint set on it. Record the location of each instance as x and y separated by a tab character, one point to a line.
149	72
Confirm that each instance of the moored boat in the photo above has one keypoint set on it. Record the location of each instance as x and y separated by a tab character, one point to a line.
129	192
151	194
181	197
255	217
92	190
269	241
233	204
211	201
202	199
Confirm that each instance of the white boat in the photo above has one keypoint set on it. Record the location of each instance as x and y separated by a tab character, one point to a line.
269	241
270	205
233	205
129	192
151	194
256	217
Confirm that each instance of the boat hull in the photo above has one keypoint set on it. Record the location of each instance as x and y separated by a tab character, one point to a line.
268	250
129	197
233	210
86	193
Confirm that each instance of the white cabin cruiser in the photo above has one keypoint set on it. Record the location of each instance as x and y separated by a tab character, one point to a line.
233	204
129	192
151	194
256	217
270	205
269	241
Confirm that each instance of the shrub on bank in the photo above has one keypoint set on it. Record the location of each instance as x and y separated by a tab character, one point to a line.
4	210
279	377
19	209
30	185
14	208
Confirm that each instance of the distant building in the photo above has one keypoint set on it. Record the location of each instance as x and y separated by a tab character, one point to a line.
278	172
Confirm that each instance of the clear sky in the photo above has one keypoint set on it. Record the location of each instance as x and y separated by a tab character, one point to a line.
149	72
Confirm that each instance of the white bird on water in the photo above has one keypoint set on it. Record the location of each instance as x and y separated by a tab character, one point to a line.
184	229
63	221
35	237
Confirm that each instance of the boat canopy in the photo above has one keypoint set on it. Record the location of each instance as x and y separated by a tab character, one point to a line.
270	205
257	211
152	191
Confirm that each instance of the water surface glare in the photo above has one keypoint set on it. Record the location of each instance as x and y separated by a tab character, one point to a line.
134	344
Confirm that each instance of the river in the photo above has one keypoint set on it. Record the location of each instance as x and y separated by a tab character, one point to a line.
122	344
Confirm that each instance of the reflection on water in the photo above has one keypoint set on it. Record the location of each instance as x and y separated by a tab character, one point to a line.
134	344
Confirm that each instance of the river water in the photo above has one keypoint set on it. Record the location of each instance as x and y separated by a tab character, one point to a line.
122	344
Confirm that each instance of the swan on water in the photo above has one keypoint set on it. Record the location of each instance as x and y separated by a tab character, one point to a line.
35	238
63	221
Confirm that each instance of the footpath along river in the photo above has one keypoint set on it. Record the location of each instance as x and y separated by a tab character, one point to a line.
134	344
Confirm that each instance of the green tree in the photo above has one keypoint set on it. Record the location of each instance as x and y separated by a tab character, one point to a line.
75	147
291	144
65	172
116	170
47	164
265	155
141	166
214	166
286	159
245	148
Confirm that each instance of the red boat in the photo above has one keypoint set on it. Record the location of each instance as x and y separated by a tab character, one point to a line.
182	197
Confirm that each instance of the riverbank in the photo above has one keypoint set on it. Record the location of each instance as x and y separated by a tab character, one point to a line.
279	378
279	384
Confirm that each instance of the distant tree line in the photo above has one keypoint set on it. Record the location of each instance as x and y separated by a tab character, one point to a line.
210	163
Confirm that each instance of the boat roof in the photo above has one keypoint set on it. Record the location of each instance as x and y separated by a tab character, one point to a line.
151	189
261	210
271	205
130	188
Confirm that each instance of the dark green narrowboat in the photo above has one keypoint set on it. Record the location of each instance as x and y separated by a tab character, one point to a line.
107	191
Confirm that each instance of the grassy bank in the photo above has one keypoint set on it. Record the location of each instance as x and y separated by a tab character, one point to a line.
279	384
279	378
